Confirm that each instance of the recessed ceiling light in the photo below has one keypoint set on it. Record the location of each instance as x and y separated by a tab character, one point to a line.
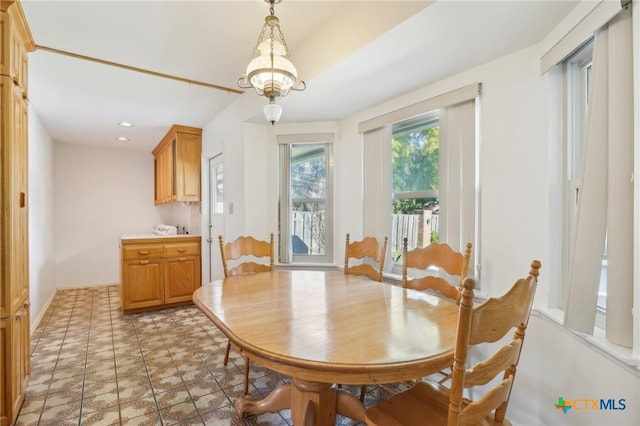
122	139
125	124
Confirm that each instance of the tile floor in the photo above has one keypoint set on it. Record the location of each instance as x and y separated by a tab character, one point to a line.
93	365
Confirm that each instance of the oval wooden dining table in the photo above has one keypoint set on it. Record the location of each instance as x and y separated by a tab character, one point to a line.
324	327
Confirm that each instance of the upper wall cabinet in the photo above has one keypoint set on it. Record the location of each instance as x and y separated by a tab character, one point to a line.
16	42
177	165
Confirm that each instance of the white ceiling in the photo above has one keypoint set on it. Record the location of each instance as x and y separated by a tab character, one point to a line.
352	54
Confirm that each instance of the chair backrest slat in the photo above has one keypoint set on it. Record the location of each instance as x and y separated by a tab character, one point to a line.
241	256
440	256
368	249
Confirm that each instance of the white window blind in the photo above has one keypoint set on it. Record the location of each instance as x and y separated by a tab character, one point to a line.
377	183
458	174
607	169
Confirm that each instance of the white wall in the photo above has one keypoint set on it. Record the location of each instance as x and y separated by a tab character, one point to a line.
42	266
100	194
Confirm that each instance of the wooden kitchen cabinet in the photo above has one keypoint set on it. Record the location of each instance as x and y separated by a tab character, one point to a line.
15	366
15	362
159	272
177	165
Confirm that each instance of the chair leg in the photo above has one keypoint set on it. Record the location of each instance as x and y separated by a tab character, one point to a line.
246	375
363	392
226	354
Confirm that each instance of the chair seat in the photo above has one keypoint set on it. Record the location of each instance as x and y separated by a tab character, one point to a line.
424	404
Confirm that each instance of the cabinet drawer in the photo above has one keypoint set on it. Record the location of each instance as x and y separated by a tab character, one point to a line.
181	249
142	251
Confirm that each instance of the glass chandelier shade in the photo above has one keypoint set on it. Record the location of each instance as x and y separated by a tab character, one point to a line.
270	72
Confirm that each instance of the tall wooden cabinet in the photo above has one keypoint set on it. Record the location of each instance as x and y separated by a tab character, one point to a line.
15	361
177	165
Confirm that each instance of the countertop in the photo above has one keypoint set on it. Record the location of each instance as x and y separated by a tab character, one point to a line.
152	236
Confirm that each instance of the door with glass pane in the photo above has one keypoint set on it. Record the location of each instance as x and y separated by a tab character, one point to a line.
306	213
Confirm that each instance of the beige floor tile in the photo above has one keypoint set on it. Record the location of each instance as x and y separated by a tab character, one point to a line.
64	397
28	418
108	416
211	402
144	420
175	413
104	375
32	406
99	402
166	383
139	407
173	397
99	388
225	416
60	412
205	387
135	393
73	382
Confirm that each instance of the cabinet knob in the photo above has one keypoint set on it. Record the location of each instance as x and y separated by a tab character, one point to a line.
182	250
144	262
143	252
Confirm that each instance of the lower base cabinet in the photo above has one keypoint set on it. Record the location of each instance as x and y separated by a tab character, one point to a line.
15	362
144	284
181	278
159	272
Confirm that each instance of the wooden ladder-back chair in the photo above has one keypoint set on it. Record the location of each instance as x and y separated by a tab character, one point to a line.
432	260
370	248
239	257
430	403
442	257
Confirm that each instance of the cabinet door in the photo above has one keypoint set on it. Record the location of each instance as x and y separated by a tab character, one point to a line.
187	173
164	179
182	278
15	362
14	179
142	284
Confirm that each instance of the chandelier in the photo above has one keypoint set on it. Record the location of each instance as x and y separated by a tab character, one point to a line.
270	71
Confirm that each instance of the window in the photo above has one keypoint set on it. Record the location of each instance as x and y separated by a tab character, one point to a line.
305	203
217	192
578	71
415	149
438	137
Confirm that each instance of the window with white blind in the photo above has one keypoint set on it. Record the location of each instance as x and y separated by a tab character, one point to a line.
599	191
452	191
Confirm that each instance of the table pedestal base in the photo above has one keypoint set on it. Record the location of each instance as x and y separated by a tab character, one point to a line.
311	403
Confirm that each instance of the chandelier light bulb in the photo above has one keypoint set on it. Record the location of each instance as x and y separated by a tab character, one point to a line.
272	111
